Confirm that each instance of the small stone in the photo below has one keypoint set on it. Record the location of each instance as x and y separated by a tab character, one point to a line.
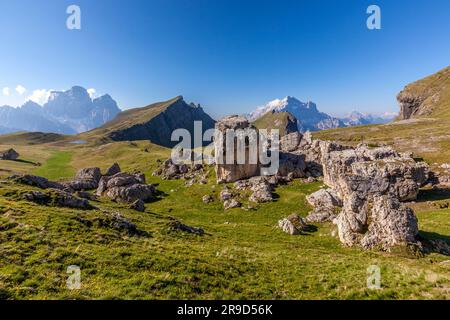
207	199
230	204
138	205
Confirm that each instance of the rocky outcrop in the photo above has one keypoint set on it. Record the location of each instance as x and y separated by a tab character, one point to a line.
115	221
369	185
58	198
427	97
126	187
171	171
9	154
85	179
36	181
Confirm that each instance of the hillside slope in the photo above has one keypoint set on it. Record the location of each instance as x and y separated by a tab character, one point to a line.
283	121
155	122
428	97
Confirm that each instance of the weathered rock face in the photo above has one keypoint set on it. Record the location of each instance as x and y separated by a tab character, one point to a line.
379	170
126	187
378	222
10	154
231	172
368	184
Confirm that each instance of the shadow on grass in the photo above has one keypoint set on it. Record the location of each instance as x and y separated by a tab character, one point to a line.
433	194
433	242
433	236
36	164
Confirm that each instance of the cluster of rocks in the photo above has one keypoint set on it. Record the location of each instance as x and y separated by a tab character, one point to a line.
118	186
193	173
229	199
9	154
367	187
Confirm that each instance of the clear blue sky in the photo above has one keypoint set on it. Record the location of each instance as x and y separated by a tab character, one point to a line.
228	55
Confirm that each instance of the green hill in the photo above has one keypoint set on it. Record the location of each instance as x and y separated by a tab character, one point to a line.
155	123
428	97
285	122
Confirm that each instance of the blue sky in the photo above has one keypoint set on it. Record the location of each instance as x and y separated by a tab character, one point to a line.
230	56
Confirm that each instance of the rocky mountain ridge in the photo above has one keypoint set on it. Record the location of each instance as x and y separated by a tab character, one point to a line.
66	112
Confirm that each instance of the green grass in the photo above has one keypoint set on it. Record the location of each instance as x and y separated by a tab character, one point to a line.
57	166
242	255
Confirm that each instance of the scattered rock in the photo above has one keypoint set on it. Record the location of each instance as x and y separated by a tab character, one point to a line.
225	194
119	223
207	198
293	224
176	225
230	204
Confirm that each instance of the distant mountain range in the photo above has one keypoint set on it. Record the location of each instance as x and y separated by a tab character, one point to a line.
310	118
66	112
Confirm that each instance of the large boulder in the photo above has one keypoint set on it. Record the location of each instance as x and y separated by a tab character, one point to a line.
85	179
248	135
379	170
126	187
380	222
9	154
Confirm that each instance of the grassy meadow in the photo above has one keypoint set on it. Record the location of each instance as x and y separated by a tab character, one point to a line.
242	254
